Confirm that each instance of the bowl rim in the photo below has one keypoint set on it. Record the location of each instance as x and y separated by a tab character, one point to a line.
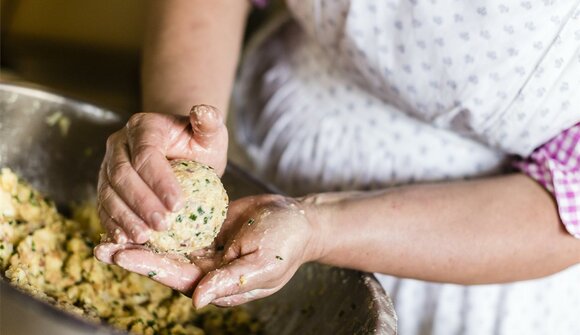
54	96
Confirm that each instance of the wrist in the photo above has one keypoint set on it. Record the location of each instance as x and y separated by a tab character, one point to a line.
317	211
326	214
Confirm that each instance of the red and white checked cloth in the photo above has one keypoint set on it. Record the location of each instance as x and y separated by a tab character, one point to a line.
556	165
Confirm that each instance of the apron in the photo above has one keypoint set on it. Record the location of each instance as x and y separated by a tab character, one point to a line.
367	94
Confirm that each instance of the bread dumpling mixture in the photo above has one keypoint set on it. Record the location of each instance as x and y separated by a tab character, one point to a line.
199	221
50	257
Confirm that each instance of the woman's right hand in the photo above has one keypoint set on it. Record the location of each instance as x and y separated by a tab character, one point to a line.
136	186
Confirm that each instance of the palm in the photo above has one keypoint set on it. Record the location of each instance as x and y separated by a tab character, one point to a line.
262	243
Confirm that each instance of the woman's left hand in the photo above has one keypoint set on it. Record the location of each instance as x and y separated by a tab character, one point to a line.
262	243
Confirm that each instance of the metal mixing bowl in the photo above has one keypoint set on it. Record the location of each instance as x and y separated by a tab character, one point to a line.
318	300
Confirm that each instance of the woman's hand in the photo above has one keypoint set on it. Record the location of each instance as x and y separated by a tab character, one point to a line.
263	241
136	185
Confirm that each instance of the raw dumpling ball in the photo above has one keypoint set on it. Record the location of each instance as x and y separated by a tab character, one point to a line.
199	221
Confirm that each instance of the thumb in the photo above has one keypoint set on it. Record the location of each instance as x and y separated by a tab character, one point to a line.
240	276
207	122
251	273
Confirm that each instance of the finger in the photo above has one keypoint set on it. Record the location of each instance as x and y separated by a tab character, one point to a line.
206	264
210	137
117	210
133	190
177	274
149	136
207	258
207	123
155	170
242	275
245	297
231	223
104	252
113	230
240	213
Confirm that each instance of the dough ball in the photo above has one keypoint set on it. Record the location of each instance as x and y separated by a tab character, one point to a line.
199	221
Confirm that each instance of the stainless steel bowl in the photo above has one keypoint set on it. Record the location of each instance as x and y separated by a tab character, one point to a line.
318	300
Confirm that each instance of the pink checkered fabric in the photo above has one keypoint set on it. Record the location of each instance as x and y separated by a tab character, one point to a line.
556	165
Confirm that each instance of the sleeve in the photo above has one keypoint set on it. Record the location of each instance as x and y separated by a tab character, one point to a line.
556	166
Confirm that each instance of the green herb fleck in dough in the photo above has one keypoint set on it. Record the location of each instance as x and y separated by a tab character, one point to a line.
251	222
152	274
202	200
33	246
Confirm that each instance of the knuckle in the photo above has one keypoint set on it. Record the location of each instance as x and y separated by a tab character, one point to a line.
111	140
137	120
104	196
118	180
143	154
118	174
127	219
101	189
102	180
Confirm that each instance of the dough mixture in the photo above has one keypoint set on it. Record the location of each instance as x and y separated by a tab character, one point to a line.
50	256
199	221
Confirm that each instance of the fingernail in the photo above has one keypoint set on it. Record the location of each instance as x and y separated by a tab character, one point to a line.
158	221
119	236
206	300
101	253
200	110
173	203
207	117
140	235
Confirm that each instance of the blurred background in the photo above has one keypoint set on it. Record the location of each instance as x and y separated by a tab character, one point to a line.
85	49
